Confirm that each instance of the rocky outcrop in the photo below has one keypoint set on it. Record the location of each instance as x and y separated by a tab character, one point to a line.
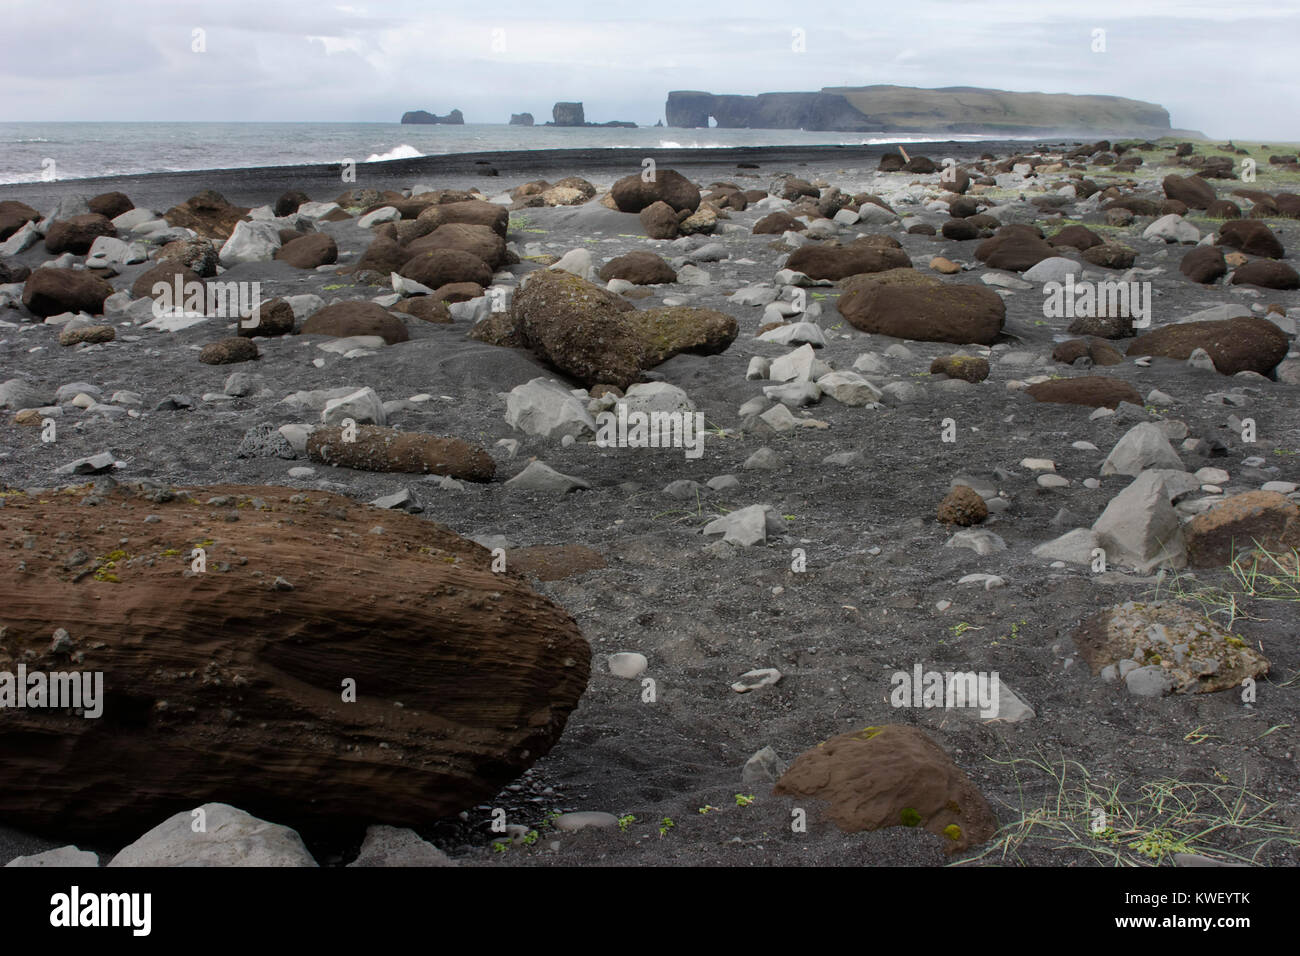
454	118
957	109
317	672
571	114
521	119
568	114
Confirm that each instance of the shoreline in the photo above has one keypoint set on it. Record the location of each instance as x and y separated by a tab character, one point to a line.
251	185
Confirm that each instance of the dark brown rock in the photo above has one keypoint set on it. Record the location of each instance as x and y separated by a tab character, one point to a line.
1251	237
344	319
1236	345
376	448
892	775
426	308
165	271
822	261
1267	274
632	193
1204	264
77	234
639	268
207	213
110	205
1098	351
474	212
51	291
1077	237
908	305
1111	255
466	676
14	215
228	351
659	220
309	251
478	240
1014	248
776	223
1242	523
1193	190
962	506
273	317
442	266
970	368
1093	391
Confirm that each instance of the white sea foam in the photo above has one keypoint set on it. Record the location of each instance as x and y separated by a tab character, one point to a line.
398	152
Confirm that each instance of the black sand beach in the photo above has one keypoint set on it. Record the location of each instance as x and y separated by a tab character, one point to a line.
881	591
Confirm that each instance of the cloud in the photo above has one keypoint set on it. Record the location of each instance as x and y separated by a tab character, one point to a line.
296	60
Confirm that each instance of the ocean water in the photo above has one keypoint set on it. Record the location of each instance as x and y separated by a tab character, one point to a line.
33	152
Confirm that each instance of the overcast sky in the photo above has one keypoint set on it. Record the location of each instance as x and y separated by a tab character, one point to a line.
1225	68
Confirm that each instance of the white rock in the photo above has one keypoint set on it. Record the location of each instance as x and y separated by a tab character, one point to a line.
745	526
1140	529
796	333
1053	269
1143	446
577	262
628	665
656	397
796	365
539	476
1172	228
849	388
363	406
398	846
1074	546
62	857
230	837
380	215
250	242
544	407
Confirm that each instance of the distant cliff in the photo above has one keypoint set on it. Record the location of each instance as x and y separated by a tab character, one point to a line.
521	119
454	118
954	109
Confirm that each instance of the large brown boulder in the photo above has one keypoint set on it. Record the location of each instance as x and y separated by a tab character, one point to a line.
481	241
51	291
207	213
383	255
77	234
821	261
888	776
110	205
474	212
1251	236
1236	345
1204	264
14	215
165	271
775	223
442	266
376	448
357	317
1077	237
632	193
597	337
1014	248
309	251
659	220
1256	519
639	268
908	305
1193	190
1092	391
314	673
1267	274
